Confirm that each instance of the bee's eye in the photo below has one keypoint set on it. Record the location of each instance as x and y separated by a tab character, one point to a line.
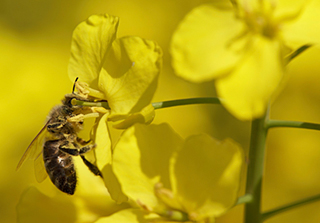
69	102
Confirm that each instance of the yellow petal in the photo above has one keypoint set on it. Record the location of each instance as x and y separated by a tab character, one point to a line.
275	8
289	8
92	198
113	185
103	141
91	41
146	116
168	198
37	207
141	159
304	29
202	45
104	159
130	74
128	216
248	89
206	176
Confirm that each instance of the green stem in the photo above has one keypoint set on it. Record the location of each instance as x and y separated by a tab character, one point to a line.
279	210
156	105
292	124
188	101
294	54
255	170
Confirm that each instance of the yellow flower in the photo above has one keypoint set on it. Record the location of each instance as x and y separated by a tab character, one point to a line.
124	71
242	44
172	179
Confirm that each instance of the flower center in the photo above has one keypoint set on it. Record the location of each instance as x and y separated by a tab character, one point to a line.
263	25
259	18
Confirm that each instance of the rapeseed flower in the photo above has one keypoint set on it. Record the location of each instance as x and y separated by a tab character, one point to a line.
124	71
171	179
242	44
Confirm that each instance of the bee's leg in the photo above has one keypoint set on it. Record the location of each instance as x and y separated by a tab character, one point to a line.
82	141
75	151
94	169
86	148
70	151
79	118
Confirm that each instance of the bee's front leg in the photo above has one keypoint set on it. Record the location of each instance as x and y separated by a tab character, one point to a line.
80	117
94	169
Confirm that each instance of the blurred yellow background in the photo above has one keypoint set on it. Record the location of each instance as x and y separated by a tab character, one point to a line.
35	41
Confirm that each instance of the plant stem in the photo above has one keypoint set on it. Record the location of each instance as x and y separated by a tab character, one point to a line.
188	101
292	124
297	52
255	170
156	105
284	208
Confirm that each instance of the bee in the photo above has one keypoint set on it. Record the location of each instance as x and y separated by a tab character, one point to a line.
53	147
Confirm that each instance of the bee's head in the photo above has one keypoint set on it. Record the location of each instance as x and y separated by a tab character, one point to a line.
68	97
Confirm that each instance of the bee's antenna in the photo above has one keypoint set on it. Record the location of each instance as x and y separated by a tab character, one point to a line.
74	85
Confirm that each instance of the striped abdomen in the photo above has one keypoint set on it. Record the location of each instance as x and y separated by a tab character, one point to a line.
59	166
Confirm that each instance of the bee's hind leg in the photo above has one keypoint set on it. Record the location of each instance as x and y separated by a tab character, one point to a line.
76	152
94	169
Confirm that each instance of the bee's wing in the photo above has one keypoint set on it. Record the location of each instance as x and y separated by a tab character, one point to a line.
35	147
39	169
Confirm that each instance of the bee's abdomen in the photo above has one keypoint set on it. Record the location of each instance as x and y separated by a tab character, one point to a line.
60	167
